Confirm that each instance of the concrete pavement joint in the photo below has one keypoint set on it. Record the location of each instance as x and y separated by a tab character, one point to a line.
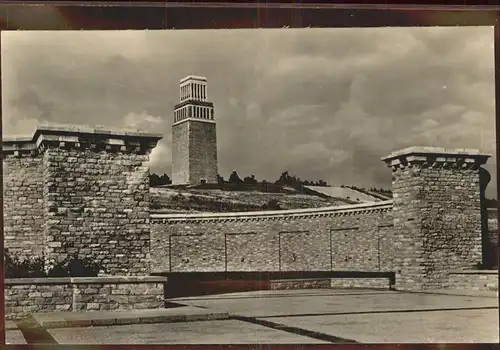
294	330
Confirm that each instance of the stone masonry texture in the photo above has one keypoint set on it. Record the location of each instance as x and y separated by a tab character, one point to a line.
29	295
473	280
78	190
97	206
180	153
194	152
343	241
203	152
86	191
23	205
437	215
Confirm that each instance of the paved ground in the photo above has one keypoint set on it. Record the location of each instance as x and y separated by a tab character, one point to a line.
311	316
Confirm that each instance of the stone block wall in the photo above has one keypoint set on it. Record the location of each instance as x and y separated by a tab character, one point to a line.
27	298
358	282
299	284
84	191
23	204
473	280
366	283
24	296
97	206
292	240
437	214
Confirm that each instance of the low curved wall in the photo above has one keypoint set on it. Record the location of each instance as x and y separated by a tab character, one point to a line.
342	238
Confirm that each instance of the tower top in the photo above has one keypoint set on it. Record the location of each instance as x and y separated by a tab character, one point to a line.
193	77
193	88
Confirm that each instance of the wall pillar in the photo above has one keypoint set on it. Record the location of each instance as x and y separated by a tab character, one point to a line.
437	214
94	186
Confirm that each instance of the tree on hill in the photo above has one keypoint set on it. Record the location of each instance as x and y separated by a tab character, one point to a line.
234	178
291	180
220	179
250	180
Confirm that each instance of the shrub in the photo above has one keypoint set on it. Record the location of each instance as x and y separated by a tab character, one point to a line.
34	267
16	267
73	266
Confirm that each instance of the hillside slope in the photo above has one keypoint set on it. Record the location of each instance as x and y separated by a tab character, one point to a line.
176	200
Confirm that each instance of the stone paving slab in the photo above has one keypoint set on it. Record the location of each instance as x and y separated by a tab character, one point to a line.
457	326
207	332
108	318
14	337
333	302
10	325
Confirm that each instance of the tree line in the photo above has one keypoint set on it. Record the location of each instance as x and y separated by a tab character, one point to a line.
285	179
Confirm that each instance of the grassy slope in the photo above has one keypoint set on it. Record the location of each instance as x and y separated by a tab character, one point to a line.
216	200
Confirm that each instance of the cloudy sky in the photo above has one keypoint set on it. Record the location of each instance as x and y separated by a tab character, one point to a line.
320	103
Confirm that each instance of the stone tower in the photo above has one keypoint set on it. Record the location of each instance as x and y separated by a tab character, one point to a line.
194	141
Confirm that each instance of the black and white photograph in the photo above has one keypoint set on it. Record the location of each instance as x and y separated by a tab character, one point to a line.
250	186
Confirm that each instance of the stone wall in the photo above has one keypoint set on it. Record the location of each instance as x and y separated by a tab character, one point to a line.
23	204
98	207
25	296
366	283
437	214
299	284
78	190
342	238
358	282
473	280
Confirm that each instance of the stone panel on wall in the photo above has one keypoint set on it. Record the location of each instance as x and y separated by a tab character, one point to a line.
244	251
202	253
304	250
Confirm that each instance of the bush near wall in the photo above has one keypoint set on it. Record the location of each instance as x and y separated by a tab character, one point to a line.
34	267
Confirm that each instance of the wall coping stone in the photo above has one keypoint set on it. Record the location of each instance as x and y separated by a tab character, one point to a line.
436	157
276	214
473	272
64	135
87	280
